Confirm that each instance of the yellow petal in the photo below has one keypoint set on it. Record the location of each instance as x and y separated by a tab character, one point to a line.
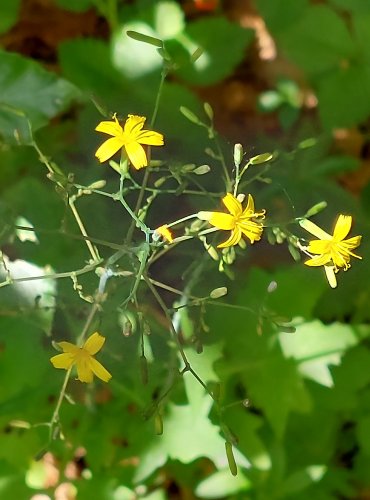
150	138
133	125
94	343
330	274
232	204
222	221
111	128
64	360
342	227
353	243
109	148
320	246
234	239
251	230
250	206
99	370
136	154
84	372
68	347
165	233
315	230
320	260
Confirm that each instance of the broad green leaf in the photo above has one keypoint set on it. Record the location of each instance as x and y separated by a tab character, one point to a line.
319	41
344	97
360	22
257	359
87	63
316	346
363	433
224	44
12	483
280	14
188	433
23	361
221	484
355	6
131	57
29	92
336	164
169	19
301	479
9	14
76	5
35	298
187	436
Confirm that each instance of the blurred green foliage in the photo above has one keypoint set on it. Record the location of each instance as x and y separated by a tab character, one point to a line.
296	406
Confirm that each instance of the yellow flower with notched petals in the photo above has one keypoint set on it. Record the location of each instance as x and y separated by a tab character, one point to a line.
240	222
332	251
82	357
130	137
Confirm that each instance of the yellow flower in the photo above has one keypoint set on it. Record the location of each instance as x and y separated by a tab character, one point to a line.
130	137
332	252
165	233
82	357
238	221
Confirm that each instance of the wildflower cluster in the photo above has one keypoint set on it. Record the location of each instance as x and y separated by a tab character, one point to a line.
332	252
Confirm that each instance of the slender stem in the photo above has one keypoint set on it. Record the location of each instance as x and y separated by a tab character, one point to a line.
159	95
140	273
228	182
143	186
84	270
169	319
55	417
183	219
89	320
93	251
135	220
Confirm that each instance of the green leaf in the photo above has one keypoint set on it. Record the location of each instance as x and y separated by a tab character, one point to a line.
87	62
363	433
344	97
169	19
358	6
224	45
188	435
280	14
257	359
220	484
29	92
360	23
23	361
36	299
319	41
9	14
188	432
336	165
75	5
135	59
316	346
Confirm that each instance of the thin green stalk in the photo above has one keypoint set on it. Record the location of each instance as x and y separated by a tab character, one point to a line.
135	220
140	197
55	417
228	182
92	249
78	272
